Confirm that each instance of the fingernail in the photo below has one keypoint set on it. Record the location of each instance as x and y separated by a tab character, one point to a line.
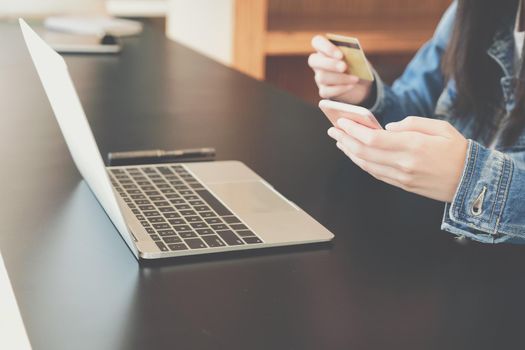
342	122
390	125
341	66
338	54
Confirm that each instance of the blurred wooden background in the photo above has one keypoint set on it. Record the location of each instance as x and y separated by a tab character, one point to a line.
272	37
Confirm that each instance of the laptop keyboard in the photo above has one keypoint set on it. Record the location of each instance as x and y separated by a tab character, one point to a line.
177	211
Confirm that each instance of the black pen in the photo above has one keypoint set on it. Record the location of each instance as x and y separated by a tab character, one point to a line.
161	156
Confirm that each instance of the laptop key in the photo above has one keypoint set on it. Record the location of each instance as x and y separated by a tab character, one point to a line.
196	202
193	218
237	227
162	204
213	241
164	170
167	209
155	237
195	243
192	197
201	208
207	214
172	239
164	233
161	226
161	246
145	223
171	215
231	219
135	211
138	196
187	234
219	227
186	193
177	221
205	231
230	238
156	198
188	212
245	233
156	219
199	225
151	213
142	202
150	230
177	201
146	207
252	240
178	246
182	206
181	228
214	220
172	196
149	170
214	203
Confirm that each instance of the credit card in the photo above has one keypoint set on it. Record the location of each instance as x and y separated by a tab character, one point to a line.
354	56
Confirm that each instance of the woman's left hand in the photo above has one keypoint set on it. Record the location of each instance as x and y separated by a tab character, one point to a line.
420	155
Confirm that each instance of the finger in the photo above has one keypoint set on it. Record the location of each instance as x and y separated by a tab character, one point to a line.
376	138
369	154
334	91
381	172
320	61
323	45
423	125
323	77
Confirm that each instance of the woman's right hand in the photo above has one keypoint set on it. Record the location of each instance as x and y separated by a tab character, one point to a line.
330	77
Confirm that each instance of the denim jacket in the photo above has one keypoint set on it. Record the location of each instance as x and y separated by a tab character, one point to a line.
489	204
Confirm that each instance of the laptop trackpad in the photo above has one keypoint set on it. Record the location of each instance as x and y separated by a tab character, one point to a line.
249	197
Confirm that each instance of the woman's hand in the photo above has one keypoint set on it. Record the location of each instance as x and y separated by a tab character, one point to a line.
330	77
420	155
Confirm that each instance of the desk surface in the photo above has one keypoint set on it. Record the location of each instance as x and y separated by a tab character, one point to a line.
389	280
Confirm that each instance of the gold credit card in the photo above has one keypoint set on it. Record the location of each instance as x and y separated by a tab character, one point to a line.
354	56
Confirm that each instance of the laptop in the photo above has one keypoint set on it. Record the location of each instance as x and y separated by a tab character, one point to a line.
171	210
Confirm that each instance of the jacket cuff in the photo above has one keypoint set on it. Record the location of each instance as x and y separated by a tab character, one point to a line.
480	198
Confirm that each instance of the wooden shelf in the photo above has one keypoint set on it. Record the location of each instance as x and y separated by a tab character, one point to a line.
281	28
292	37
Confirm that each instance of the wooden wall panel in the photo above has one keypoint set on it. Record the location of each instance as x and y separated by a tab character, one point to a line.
357	8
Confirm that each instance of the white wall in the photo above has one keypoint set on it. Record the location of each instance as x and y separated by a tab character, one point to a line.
203	25
41	8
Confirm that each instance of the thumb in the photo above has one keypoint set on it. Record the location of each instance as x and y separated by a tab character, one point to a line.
420	124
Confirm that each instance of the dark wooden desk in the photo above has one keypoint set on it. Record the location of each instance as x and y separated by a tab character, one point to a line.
389	280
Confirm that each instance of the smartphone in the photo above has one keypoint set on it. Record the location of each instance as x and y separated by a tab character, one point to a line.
337	110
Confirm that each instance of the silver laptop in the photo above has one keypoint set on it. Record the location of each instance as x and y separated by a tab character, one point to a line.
177	209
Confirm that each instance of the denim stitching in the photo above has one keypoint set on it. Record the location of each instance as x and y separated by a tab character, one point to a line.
498	188
471	165
508	170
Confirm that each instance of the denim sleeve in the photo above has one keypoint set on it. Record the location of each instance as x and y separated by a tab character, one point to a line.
489	205
416	92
